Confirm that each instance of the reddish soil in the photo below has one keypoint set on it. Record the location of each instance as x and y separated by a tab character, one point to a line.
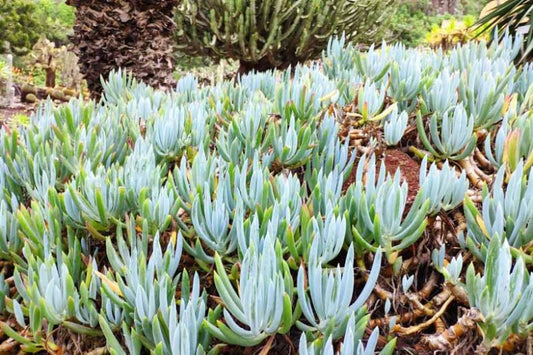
396	159
7	112
409	170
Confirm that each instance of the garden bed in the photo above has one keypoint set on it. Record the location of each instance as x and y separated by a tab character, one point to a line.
356	202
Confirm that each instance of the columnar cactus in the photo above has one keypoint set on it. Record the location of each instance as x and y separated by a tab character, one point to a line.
274	34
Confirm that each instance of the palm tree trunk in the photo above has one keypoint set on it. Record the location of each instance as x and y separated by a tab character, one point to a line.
135	35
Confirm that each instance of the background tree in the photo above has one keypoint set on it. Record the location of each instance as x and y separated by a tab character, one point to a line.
445	6
135	35
275	34
57	19
18	27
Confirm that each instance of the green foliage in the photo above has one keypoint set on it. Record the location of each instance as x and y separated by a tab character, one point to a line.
453	31
269	34
414	21
18	26
19	119
410	23
22	22
56	19
4	71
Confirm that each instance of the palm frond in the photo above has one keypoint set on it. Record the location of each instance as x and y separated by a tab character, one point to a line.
514	16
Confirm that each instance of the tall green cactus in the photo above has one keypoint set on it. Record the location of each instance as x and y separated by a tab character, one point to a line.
274	33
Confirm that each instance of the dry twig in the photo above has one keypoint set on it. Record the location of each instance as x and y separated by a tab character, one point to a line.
419	327
444	341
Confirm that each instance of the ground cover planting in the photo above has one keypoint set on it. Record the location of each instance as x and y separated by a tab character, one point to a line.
374	201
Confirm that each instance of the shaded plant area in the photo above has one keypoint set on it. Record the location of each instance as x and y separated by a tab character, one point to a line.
377	201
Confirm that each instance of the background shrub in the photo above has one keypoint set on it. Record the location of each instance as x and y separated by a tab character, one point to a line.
57	19
19	29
